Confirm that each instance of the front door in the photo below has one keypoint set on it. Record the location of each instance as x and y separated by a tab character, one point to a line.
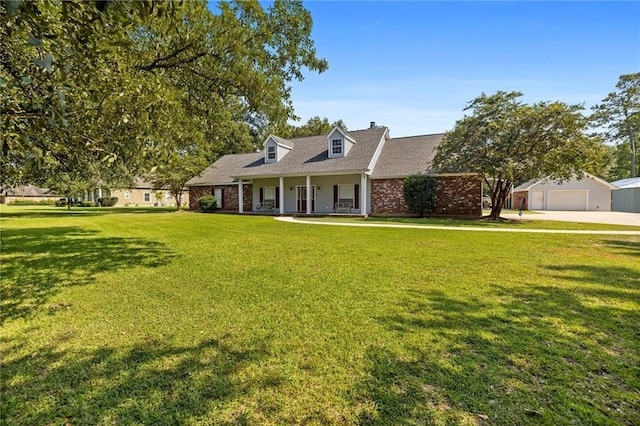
301	198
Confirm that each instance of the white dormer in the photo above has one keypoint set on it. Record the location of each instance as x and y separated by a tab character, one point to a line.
339	143
276	148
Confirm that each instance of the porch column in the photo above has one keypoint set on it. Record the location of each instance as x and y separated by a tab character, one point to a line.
308	194
363	194
281	196
240	197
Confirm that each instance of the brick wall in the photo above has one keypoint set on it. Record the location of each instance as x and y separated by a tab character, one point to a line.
457	196
230	194
517	200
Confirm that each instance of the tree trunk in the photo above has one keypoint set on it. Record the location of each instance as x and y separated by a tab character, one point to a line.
633	152
178	196
498	198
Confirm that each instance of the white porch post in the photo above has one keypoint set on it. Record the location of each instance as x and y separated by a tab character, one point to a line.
240	197
308	194
281	196
363	194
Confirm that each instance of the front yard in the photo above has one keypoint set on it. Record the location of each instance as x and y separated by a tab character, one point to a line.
152	317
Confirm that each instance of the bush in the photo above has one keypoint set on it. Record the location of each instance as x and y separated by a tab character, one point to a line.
87	204
25	202
208	203
61	203
107	201
420	193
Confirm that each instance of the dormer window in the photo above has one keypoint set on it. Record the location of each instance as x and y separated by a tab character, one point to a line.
336	147
271	153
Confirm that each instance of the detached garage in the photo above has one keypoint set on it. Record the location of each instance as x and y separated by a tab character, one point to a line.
626	198
587	194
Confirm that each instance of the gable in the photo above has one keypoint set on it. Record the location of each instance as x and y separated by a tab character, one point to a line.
339	143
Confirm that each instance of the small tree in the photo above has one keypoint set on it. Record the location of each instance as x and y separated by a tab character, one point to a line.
420	193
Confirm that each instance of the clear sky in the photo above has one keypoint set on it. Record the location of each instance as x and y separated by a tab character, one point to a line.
413	66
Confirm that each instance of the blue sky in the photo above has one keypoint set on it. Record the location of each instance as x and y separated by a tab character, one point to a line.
413	66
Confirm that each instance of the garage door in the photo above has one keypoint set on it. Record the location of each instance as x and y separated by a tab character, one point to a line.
568	200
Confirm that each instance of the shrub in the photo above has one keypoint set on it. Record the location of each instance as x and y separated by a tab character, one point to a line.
107	201
25	202
61	203
208	203
87	204
420	193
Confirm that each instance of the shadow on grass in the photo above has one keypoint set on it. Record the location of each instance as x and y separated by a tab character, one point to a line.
38	262
537	354
150	383
81	211
629	248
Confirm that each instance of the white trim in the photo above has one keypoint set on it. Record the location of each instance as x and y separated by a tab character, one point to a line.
240	196
309	194
378	151
342	132
281	196
363	194
331	147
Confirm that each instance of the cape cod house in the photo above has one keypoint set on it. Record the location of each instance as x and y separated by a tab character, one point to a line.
356	172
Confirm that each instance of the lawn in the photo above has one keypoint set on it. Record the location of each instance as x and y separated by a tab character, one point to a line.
152	317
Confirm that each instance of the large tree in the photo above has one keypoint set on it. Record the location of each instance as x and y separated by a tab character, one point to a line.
619	113
104	91
507	141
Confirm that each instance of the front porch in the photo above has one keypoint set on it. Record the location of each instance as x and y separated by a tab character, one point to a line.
343	195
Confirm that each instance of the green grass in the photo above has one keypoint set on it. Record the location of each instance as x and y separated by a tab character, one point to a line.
166	318
479	223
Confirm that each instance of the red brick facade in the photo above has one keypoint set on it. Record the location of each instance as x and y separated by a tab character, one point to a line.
517	200
457	196
229	194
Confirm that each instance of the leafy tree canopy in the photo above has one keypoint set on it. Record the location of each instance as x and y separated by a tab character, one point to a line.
313	127
506	141
104	91
619	114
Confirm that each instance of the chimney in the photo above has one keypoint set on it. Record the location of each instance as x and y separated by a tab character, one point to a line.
372	125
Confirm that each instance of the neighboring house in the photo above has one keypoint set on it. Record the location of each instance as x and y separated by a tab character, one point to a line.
626	198
358	172
587	194
141	193
27	192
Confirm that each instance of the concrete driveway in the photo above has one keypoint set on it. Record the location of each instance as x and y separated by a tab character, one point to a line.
614	218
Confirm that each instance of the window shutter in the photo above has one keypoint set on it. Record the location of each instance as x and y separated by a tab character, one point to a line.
335	194
221	198
261	195
277	197
356	195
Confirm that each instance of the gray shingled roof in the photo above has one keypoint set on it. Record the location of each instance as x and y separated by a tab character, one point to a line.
406	156
221	172
29	191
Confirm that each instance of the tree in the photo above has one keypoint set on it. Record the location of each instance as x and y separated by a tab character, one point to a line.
619	112
420	193
90	90
313	127
506	141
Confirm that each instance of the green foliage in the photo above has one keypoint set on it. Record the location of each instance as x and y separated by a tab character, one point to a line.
106	91
420	193
506	141
313	127
27	202
107	201
208	203
619	113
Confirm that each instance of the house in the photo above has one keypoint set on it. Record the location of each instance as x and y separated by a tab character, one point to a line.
141	193
589	193
626	198
27	192
357	172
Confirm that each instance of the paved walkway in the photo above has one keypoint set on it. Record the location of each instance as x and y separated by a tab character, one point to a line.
613	218
453	228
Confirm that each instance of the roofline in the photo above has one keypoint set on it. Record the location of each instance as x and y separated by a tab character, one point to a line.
343	132
298	174
427	174
589	175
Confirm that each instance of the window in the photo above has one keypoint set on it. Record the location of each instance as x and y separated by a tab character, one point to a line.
270	195
167	197
271	152
127	195
345	194
147	197
336	147
217	192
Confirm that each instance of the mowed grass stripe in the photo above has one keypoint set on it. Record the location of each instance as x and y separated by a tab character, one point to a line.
214	319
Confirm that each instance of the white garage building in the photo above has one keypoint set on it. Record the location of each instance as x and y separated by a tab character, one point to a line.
587	194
